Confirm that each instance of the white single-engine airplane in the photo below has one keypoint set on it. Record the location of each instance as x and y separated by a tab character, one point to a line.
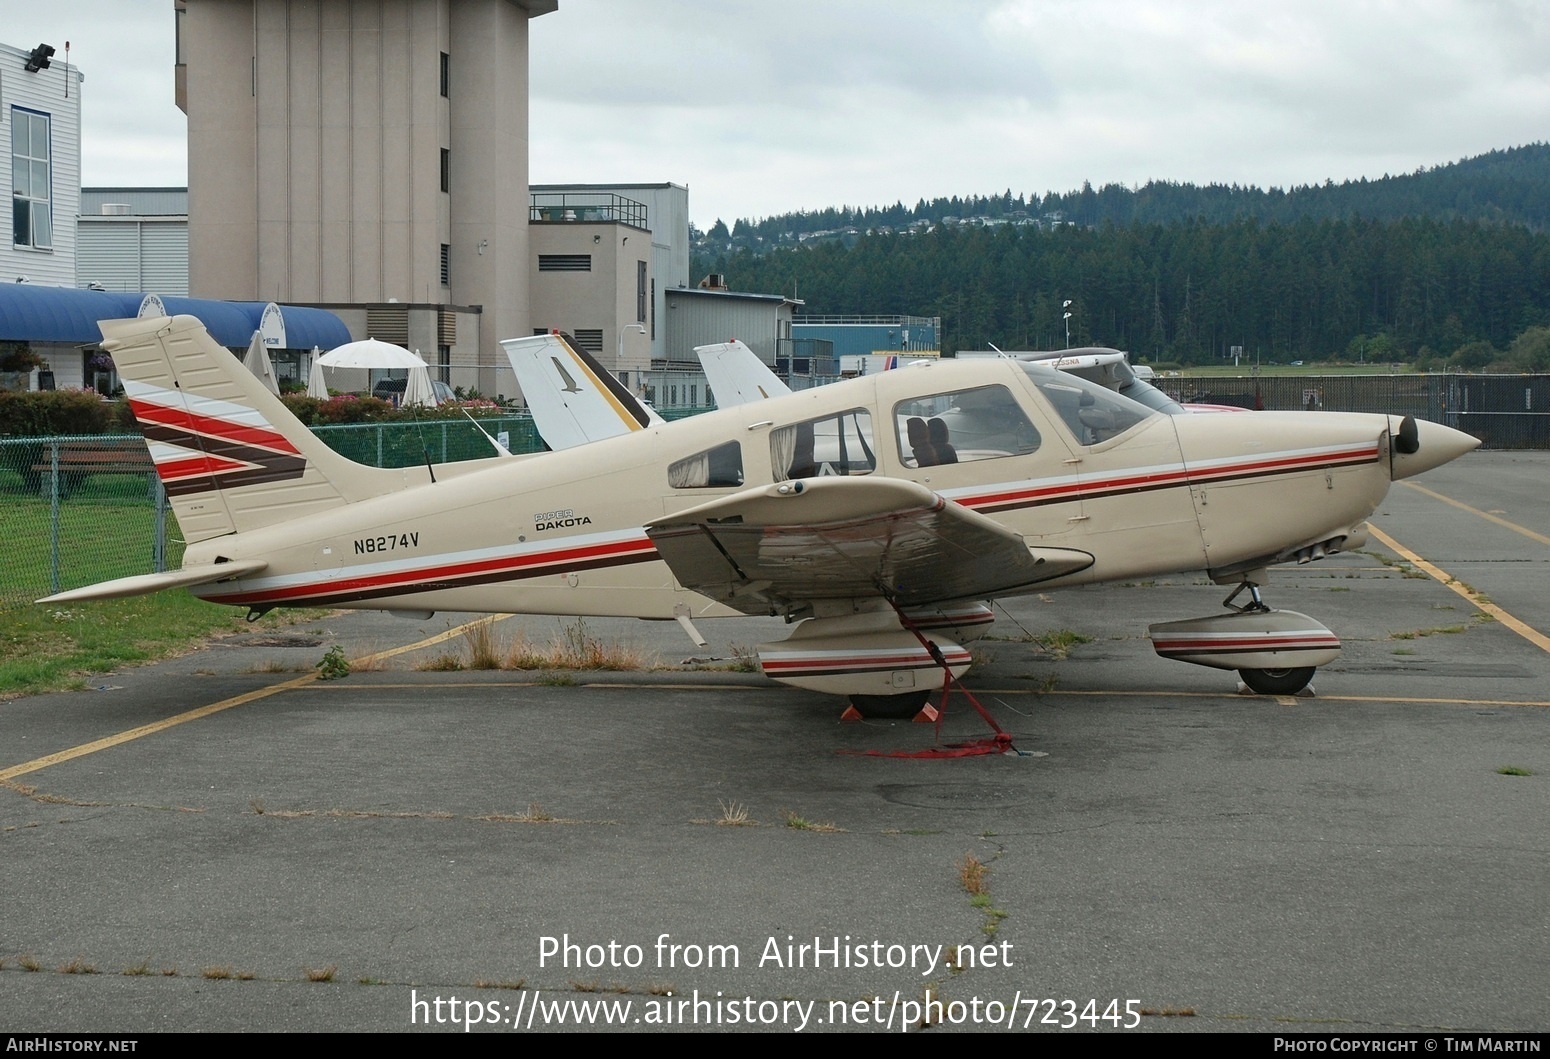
876	514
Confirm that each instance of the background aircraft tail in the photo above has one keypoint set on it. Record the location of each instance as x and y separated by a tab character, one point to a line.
229	453
574	399
736	374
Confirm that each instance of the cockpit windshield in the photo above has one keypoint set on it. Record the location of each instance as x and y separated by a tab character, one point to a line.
1093	413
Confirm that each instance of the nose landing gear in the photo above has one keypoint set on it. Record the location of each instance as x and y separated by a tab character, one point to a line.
1274	651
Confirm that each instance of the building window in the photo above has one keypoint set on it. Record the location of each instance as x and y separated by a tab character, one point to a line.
446	75
640	292
446	181
444	364
446	265
31	181
565	262
589	339
653	310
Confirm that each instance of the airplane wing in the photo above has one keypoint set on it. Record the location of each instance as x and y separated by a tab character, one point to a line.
573	398
140	584
736	374
773	548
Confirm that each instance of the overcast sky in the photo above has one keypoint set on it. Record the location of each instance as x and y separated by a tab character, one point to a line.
761	108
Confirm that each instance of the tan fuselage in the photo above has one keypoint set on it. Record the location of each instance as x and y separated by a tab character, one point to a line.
562	533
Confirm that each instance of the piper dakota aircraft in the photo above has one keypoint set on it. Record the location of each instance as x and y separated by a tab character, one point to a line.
878	515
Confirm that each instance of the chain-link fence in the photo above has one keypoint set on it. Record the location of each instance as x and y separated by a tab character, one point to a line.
78	510
81	509
444	440
1503	411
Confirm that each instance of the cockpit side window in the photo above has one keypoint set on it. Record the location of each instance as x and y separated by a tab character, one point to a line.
720	466
960	427
1093	413
834	445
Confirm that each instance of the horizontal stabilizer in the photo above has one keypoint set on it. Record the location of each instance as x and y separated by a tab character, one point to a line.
141	584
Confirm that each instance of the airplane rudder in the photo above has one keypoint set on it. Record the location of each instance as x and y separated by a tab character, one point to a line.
230	455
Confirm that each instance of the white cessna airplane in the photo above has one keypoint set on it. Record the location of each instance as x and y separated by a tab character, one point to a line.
881	548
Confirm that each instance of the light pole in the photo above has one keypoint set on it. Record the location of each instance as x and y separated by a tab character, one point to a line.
1066	305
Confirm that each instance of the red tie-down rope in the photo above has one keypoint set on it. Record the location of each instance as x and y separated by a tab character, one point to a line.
999	743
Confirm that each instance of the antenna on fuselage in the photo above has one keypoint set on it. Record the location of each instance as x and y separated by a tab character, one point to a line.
499	448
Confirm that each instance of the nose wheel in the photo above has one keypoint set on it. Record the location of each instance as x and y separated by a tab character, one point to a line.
1287	681
1277	681
1270	649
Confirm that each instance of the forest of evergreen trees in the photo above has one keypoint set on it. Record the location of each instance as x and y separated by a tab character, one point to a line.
1450	264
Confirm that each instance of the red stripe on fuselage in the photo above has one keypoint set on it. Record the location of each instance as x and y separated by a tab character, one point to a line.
1096	488
452	575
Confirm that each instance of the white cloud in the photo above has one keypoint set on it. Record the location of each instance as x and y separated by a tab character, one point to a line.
763	108
132	132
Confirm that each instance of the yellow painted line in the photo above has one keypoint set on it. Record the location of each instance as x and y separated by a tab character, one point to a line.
1540	537
1261	698
1234	696
1440	702
144	730
1523	629
578	685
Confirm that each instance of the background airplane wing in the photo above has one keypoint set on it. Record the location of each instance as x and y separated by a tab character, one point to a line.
573	398
773	548
736	374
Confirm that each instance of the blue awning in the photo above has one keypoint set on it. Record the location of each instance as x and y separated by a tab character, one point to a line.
304	327
34	313
31	313
225	321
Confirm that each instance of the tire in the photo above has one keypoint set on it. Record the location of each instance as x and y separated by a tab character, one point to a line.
1277	681
890	707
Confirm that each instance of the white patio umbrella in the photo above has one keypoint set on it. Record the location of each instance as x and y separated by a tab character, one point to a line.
257	361
317	386
418	389
369	353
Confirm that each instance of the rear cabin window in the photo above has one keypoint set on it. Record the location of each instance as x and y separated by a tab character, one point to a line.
834	445
960	427
720	466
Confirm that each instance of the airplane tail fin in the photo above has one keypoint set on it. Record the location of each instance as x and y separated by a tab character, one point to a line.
229	453
574	399
736	375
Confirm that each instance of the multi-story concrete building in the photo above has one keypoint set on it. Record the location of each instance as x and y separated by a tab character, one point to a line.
592	275
364	153
40	121
663	212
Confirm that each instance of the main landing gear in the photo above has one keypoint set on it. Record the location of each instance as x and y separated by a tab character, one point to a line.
1274	651
890	707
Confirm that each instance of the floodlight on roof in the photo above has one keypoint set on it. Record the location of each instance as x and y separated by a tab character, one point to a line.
39	59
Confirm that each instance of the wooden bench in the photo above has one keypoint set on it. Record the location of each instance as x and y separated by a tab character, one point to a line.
78	459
